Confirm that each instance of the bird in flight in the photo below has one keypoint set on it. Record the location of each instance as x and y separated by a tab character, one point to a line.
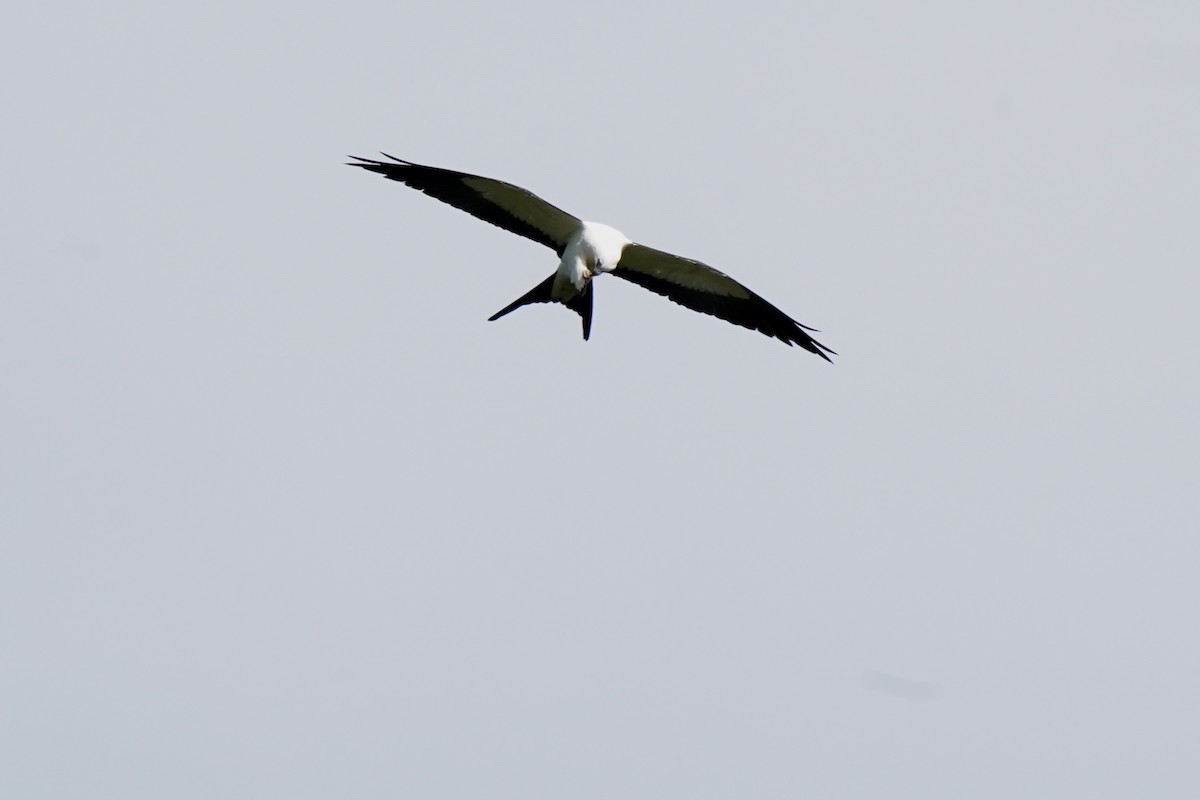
589	249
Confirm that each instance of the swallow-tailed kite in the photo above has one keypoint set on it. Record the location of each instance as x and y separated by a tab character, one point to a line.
588	249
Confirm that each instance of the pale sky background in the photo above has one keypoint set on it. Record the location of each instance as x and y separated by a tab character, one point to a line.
284	516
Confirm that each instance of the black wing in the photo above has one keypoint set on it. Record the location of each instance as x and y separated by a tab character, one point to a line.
702	288
502	204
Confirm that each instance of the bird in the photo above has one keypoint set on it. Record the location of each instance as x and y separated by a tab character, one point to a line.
587	250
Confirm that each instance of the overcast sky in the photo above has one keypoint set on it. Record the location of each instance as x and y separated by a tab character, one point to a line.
283	515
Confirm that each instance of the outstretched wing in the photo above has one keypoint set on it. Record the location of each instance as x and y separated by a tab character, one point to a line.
502	204
702	288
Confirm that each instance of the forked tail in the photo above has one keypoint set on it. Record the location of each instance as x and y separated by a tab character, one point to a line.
581	303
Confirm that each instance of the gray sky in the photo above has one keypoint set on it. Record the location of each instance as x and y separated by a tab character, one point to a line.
284	516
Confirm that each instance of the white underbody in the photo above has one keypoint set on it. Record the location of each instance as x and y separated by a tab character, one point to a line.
593	249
